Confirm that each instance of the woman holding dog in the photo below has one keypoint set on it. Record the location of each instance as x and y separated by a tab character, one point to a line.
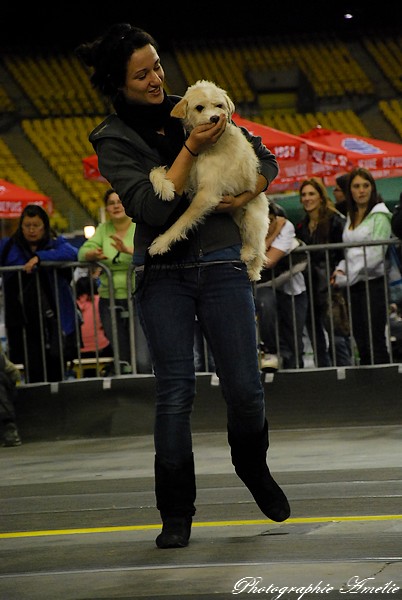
201	276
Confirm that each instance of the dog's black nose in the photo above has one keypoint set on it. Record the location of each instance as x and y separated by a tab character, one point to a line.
214	119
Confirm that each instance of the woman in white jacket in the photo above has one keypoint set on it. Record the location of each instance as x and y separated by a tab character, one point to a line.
363	269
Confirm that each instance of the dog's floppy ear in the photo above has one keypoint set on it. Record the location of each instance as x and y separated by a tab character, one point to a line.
180	110
230	105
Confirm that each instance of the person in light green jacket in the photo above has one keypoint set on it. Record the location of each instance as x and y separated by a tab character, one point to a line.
364	267
112	245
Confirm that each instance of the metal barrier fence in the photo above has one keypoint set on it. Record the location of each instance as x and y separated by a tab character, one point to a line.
392	326
71	363
66	362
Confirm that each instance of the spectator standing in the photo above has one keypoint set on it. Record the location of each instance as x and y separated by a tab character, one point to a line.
323	224
113	245
38	298
281	301
363	267
201	276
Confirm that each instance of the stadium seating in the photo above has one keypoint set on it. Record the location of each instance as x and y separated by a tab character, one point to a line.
14	172
392	111
387	52
63	143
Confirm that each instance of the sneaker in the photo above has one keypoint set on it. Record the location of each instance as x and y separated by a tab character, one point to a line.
269	362
11	436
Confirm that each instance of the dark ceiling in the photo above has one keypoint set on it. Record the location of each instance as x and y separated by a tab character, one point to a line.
69	24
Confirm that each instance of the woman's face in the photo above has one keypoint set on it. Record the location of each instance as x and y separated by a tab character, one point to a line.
33	229
361	190
114	207
310	198
144	78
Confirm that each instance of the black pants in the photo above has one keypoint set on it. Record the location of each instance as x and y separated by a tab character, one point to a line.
376	321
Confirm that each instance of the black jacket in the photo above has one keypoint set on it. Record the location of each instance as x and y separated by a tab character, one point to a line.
396	220
319	273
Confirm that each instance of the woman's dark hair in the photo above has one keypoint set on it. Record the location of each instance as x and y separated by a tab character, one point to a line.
276	210
34	210
110	53
107	195
342	182
84	285
374	199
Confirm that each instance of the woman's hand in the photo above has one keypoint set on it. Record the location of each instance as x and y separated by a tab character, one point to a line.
337	278
120	245
231	203
95	254
31	264
203	137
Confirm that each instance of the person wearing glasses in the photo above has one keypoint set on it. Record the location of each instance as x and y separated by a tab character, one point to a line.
112	245
40	311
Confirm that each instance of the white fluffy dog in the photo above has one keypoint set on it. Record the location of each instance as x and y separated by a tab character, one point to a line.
230	167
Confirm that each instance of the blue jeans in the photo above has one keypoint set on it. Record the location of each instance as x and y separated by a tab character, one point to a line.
221	296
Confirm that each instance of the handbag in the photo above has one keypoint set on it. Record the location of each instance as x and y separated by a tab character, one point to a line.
340	315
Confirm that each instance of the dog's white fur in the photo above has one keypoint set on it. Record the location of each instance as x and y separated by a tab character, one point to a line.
229	167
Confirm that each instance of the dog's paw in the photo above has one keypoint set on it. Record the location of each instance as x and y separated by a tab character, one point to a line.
247	254
254	274
254	268
159	246
161	184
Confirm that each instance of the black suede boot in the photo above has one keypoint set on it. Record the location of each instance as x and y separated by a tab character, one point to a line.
249	456
175	496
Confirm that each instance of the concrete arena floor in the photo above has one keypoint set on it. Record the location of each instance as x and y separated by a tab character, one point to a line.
78	521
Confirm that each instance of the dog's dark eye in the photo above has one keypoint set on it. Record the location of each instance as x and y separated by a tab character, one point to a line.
199	108
219	106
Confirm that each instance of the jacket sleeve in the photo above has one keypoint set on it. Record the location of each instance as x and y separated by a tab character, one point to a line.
93	243
128	172
337	255
61	250
269	167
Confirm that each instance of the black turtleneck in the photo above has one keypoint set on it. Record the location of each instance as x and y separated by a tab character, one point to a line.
147	119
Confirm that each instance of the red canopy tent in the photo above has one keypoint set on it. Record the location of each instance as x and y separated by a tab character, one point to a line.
298	158
14	198
383	159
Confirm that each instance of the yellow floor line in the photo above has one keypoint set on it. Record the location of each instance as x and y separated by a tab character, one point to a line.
43	533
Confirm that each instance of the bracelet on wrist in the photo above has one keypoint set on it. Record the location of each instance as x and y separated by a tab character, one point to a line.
191	152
